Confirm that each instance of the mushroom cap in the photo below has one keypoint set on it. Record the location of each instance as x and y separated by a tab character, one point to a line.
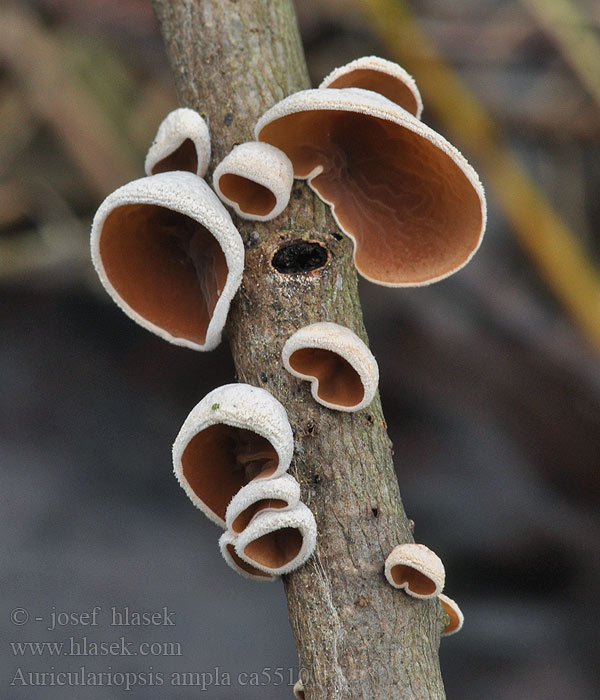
167	252
454	613
381	76
227	547
182	142
260	496
343	372
256	180
411	203
416	569
279	542
235	434
299	689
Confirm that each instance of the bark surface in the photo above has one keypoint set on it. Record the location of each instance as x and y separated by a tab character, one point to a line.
356	636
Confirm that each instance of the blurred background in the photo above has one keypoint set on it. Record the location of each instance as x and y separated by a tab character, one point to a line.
491	386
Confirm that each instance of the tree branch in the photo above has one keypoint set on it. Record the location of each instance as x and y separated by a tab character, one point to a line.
356	636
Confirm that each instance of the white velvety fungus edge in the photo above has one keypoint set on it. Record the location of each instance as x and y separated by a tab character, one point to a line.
381	65
372	104
187	194
299	690
283	488
261	163
240	406
345	343
229	538
176	127
299	517
420	558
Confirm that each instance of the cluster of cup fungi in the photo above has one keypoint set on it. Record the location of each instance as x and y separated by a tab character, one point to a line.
168	253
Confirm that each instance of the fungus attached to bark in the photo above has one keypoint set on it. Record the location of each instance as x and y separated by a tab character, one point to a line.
299	690
236	434
167	252
182	142
256	180
454	613
341	368
381	76
278	542
227	547
256	497
411	203
416	569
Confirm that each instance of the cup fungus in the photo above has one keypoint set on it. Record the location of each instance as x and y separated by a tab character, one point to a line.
256	180
410	202
278	542
299	690
227	547
260	496
416	569
182	142
454	613
237	433
167	252
381	76
341	368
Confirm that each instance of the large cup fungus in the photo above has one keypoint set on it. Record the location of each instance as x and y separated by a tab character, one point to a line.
167	252
237	433
411	203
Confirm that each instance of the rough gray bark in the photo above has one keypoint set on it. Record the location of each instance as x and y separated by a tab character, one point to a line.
356	636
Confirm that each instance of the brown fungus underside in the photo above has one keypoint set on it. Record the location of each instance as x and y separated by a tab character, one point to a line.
387	85
275	549
185	157
339	382
251	197
417	582
219	460
412	212
165	266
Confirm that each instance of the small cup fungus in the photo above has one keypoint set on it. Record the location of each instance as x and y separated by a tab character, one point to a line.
227	547
416	569
381	76
167	252
182	142
454	613
342	370
256	180
278	542
299	690
410	202
260	496
235	434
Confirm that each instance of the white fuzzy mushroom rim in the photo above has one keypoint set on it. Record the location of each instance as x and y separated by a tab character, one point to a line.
379	75
299	690
182	142
261	496
256	180
279	542
342	371
410	202
167	252
237	433
227	547
416	569
455	614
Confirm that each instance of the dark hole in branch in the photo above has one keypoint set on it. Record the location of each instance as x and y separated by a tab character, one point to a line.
299	256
